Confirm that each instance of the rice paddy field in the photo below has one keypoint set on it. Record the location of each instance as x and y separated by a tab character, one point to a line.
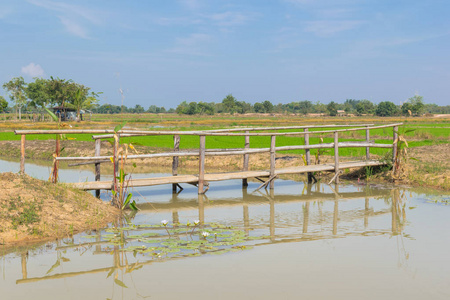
428	137
418	131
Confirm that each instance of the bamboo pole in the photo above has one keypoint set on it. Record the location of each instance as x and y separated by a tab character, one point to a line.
368	141
394	144
201	164
206	133
176	148
116	161
22	154
246	158
272	160
97	165
56	162
308	154
212	152
105	136
336	156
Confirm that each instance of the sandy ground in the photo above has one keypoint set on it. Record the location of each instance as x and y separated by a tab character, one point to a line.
32	210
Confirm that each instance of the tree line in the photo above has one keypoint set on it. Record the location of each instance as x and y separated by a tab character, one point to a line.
414	106
44	93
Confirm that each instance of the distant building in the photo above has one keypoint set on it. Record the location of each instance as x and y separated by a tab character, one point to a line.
67	114
341	113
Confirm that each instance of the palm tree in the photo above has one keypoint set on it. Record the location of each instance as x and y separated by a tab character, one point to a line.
82	100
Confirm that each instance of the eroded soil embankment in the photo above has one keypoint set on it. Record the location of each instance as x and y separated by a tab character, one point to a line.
32	210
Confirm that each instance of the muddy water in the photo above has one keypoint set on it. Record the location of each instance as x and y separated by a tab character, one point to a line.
321	242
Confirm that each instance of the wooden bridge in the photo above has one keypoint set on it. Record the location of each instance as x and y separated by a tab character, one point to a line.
202	179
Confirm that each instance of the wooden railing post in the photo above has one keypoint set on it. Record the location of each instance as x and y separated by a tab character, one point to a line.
56	163
272	161
394	145
308	154
176	148
116	160
246	157
22	154
367	140
336	156
201	164
97	165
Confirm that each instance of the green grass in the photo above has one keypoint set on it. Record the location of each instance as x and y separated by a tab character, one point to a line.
425	133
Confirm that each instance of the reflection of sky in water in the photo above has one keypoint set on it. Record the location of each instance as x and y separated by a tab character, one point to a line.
357	248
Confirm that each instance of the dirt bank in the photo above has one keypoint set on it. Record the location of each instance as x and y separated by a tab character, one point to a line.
32	210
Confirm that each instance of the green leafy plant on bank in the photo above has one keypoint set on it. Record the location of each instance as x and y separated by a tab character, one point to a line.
399	163
121	196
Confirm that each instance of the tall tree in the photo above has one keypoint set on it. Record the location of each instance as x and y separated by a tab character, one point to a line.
386	109
229	104
3	104
16	90
61	91
37	92
268	106
332	108
365	107
417	105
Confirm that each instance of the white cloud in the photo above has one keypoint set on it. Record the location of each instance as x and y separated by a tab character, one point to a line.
68	8
191	4
4	12
74	28
74	18
192	45
33	70
229	18
326	28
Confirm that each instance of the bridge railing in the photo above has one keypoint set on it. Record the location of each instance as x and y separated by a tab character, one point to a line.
202	151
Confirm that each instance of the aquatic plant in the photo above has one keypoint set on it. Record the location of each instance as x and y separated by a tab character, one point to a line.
178	242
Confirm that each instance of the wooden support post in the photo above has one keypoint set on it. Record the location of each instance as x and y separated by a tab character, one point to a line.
394	145
367	140
24	256
201	164
366	212
116	160
306	217
272	219
246	158
176	148
97	165
56	163
308	154
22	154
272	160
336	156
201	209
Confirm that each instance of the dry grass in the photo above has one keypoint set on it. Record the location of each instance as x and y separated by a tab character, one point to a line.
32	210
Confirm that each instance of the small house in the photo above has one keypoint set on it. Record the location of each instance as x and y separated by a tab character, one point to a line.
67	114
341	113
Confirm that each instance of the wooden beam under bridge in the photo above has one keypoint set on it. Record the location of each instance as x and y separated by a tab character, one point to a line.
107	185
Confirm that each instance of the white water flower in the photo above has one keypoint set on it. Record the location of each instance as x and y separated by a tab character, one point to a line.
196	222
164	222
205	234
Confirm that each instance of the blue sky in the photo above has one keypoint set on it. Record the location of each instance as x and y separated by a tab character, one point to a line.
164	52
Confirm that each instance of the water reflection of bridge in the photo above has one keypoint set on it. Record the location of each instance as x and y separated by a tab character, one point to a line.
393	205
